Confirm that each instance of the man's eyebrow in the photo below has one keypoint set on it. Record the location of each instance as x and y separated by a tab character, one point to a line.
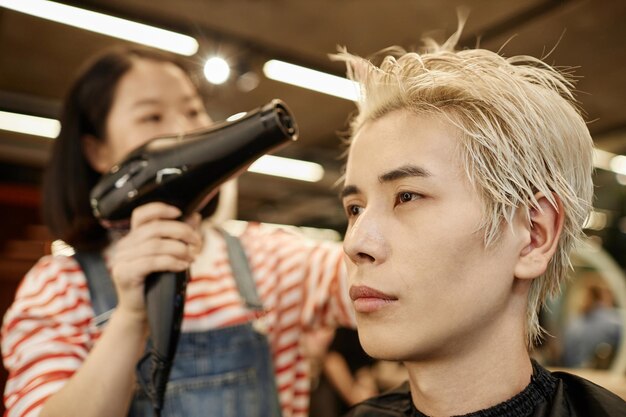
403	172
395	174
348	190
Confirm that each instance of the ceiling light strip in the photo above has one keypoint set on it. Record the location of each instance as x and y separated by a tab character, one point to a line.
311	79
288	168
29	125
106	25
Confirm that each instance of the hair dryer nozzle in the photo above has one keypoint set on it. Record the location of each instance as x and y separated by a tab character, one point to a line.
285	118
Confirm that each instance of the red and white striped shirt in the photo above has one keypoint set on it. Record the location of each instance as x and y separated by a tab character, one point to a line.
48	331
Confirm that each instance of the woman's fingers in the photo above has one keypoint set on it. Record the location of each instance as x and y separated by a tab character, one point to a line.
130	279
161	229
153	211
155	246
136	270
157	242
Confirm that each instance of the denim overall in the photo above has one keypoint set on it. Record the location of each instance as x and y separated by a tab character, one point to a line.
225	372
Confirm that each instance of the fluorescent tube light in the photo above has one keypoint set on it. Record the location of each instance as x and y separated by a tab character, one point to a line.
609	161
30	125
106	25
288	168
618	164
311	79
602	159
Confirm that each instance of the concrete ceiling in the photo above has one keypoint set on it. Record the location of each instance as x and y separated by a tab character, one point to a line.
38	59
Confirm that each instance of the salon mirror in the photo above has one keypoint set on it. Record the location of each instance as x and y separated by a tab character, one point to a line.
586	324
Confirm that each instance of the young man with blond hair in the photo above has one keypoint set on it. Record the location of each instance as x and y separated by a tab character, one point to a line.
468	180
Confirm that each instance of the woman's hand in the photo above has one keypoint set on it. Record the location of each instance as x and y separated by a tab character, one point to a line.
157	241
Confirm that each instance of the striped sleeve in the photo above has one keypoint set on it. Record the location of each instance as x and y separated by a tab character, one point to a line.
327	302
311	271
45	334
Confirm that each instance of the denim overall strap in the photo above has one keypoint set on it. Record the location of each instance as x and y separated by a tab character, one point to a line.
241	271
101	289
248	291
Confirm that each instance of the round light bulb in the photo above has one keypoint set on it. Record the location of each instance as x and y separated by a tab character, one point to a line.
216	70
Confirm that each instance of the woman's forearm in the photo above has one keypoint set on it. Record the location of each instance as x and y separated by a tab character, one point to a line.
338	373
104	384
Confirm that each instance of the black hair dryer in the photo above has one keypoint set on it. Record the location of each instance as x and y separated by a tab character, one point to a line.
184	171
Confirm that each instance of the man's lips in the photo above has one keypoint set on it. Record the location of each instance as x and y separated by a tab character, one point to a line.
369	300
362	291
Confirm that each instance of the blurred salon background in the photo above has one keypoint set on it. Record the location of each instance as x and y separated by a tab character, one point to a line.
247	52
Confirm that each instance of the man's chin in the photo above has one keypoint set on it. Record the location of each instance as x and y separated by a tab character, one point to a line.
397	344
382	346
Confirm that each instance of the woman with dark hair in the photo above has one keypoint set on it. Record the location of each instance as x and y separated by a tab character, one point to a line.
63	361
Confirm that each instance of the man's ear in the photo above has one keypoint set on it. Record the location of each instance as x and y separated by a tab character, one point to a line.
546	224
97	153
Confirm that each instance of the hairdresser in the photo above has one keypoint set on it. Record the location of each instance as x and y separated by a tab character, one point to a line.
67	355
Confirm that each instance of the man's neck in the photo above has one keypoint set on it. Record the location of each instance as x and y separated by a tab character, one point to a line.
478	378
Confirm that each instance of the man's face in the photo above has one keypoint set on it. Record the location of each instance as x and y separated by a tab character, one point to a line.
422	281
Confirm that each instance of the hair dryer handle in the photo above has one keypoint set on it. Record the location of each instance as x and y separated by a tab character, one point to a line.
165	302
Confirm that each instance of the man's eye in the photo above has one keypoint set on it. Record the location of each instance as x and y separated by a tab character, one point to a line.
353	210
406	196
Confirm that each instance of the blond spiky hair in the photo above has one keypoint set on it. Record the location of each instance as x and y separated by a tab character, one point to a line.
522	134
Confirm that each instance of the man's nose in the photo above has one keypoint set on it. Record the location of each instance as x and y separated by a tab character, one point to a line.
365	242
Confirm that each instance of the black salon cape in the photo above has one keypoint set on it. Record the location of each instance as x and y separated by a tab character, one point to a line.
572	397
